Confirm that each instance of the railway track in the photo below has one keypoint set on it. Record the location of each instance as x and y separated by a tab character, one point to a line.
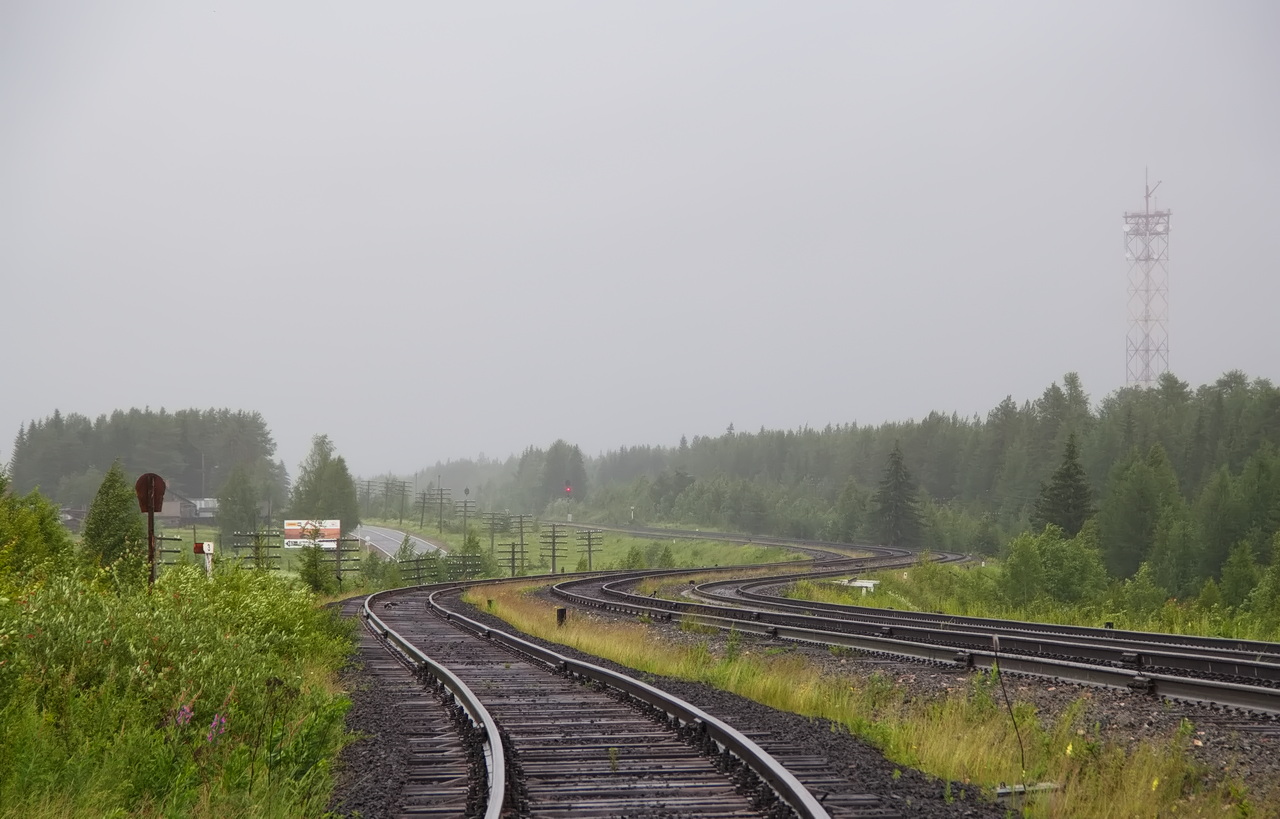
1226	673
542	734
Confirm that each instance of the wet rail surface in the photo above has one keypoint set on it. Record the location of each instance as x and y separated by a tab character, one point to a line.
1245	676
1244	661
574	748
442	775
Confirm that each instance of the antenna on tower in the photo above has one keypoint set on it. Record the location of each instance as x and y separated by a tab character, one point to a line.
1146	178
1146	245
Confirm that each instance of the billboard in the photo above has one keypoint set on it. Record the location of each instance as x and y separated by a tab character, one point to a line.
300	533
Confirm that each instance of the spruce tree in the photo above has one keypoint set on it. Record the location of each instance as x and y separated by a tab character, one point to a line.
325	489
113	526
1066	500
897	509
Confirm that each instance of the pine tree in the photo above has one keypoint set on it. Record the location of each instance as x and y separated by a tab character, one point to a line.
1066	501
897	509
113	526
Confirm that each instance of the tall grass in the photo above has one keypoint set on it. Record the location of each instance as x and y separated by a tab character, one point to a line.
974	592
198	698
963	734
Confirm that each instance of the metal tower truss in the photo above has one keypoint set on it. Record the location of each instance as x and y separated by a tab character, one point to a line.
1146	247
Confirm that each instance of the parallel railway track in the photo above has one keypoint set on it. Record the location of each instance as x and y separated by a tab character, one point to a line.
1245	676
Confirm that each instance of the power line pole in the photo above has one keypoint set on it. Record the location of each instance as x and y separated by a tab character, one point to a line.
494	521
338	551
440	496
551	544
400	488
366	495
590	540
261	552
510	551
520	521
421	503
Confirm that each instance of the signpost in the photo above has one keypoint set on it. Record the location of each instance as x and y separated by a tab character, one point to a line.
206	549
150	491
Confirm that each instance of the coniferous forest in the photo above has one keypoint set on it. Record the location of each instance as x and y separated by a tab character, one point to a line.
1184	479
197	452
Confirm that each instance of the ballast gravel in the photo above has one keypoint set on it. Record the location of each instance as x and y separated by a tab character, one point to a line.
1229	745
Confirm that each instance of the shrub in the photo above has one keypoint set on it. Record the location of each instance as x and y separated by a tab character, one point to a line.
197	697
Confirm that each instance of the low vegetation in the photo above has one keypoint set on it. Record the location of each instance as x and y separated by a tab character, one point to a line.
615	551
1054	579
963	735
195	697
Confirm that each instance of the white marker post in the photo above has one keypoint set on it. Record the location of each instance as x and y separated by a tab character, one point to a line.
206	549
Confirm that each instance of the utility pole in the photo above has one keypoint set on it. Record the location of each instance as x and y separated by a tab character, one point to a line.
510	551
338	550
590	540
366	496
495	521
421	503
440	495
161	551
261	549
400	488
552	542
520	521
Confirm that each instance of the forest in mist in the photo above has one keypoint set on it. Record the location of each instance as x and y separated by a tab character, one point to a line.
1186	475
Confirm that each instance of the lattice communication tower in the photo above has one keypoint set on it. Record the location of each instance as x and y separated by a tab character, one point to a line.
1146	247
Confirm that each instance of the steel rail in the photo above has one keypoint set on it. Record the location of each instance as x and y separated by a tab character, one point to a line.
1228	646
1016	637
783	782
1206	691
495	758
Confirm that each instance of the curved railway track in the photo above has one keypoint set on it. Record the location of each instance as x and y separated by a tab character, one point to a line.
518	730
1229	673
543	734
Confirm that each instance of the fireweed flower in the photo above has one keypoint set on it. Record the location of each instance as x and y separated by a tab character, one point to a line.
216	728
184	715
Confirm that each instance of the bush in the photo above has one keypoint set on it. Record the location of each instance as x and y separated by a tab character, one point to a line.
198	697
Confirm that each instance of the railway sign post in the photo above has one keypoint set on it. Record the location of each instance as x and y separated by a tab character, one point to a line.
150	491
206	549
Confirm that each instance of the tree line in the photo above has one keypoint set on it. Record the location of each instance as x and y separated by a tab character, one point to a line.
1183	480
67	456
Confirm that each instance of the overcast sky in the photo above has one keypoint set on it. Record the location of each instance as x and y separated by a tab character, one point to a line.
435	230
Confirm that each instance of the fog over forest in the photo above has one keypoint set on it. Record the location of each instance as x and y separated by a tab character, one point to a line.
430	230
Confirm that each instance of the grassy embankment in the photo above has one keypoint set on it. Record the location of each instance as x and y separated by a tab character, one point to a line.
974	591
614	551
963	735
198	698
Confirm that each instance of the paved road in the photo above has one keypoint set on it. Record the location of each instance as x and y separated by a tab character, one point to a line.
388	541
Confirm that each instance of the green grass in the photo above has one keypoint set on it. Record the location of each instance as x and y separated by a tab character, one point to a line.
198	698
614	549
963	734
973	592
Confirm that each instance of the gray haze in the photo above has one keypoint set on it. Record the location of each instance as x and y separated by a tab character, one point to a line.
435	230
